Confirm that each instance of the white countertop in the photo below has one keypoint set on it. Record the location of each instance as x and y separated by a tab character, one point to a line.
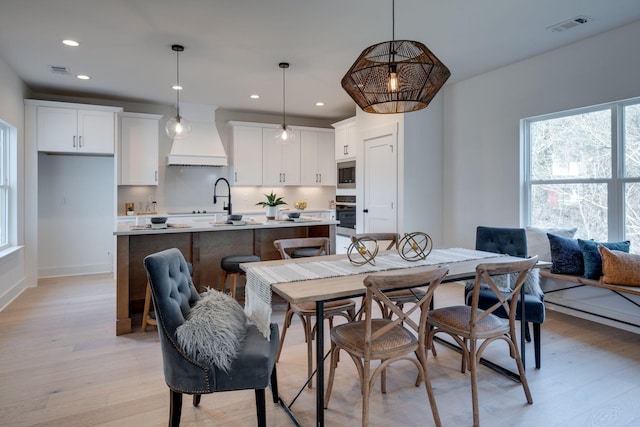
201	222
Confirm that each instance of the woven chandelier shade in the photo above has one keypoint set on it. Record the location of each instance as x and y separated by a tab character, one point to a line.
420	75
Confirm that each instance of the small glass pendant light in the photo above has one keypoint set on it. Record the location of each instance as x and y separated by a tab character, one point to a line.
177	127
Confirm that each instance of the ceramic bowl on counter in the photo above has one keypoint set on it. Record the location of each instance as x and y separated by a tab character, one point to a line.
293	214
158	219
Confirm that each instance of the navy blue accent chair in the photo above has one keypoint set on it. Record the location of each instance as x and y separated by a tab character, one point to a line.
511	241
173	296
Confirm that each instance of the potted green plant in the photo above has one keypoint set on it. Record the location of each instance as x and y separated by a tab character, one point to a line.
272	203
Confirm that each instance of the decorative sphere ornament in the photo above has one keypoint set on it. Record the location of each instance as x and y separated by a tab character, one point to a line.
415	246
362	251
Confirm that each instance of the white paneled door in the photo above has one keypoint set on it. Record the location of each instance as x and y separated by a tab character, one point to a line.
380	179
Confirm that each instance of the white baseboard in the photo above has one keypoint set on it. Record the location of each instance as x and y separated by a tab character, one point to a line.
11	294
74	270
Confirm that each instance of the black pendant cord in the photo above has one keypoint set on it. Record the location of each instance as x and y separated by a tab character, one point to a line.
392	45
284	66
178	82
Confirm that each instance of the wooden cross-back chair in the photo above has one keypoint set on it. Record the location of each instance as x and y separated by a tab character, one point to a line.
387	339
307	247
399	297
474	328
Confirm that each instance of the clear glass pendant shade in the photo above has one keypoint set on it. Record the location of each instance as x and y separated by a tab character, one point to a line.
285	135
177	127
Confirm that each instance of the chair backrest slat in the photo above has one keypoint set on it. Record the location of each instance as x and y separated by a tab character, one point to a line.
507	300
285	246
392	238
378	284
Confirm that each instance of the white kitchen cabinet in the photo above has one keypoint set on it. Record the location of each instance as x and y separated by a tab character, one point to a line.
66	129
318	166
138	149
346	139
280	162
247	155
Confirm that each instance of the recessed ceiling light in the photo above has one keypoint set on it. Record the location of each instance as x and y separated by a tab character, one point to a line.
70	42
320	104
254	96
83	77
176	87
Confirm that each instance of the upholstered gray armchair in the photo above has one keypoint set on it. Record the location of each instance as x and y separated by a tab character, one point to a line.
173	297
513	241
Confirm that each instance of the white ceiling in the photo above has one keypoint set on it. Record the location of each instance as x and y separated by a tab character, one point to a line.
233	47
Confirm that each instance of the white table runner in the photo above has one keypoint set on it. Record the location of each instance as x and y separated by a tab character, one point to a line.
259	279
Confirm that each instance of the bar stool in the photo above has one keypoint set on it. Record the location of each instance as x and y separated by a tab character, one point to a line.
147	319
231	267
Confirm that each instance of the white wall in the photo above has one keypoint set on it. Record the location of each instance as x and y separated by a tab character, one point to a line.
481	122
13	276
75	214
420	164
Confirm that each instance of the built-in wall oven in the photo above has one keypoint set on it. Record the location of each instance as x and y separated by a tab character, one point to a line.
346	214
346	174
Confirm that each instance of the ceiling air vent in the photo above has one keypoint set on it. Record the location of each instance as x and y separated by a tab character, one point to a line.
566	25
56	69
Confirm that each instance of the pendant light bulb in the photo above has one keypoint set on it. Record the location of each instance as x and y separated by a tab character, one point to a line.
285	134
393	78
177	127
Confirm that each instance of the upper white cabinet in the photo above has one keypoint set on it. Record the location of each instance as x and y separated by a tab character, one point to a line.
280	162
260	158
346	138
318	166
247	155
72	128
138	149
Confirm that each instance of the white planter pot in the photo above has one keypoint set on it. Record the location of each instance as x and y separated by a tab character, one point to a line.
272	212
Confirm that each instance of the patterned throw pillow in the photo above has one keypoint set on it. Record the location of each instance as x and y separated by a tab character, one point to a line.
591	256
620	268
566	256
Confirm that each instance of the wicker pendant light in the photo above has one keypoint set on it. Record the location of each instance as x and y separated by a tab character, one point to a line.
397	76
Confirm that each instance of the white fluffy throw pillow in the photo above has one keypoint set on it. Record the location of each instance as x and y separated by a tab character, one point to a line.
214	330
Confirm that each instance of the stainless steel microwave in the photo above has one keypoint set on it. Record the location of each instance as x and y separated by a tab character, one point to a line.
347	174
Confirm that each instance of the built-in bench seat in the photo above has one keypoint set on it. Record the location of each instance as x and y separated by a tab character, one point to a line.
614	305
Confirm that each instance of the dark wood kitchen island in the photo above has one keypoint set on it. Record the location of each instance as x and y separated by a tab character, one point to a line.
203	244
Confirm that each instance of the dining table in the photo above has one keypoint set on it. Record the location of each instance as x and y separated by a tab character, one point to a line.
331	277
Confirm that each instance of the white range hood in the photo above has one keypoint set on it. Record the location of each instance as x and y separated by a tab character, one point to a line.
203	146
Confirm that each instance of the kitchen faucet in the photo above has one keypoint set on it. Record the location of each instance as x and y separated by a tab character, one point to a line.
215	198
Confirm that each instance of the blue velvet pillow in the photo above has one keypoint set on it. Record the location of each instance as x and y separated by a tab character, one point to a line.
592	258
566	256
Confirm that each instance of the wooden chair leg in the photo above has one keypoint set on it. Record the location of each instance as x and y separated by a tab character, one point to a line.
223	281
473	368
146	318
332	373
175	408
285	326
261	408
196	399
234	276
309	339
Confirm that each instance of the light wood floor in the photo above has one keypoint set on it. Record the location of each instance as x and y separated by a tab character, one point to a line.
62	365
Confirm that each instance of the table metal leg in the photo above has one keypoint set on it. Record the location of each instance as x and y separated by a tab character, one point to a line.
320	363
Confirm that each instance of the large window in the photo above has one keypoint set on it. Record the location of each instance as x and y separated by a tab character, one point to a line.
582	169
4	185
